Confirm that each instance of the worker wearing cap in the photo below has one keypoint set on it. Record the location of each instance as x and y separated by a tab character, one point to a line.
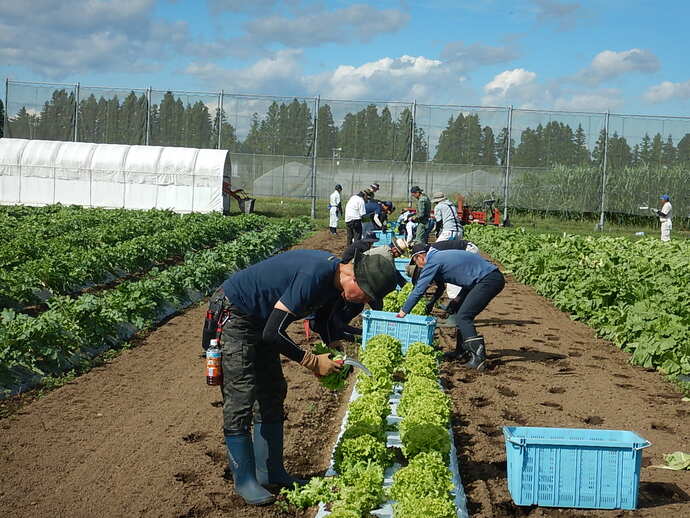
335	208
354	211
258	304
422	216
374	215
452	290
665	216
448	225
374	188
342	315
480	281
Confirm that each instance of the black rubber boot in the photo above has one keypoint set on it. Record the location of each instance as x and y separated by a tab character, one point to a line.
353	330
459	354
477	350
241	456
268	452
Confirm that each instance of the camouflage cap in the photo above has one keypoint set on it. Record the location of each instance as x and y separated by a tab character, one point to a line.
375	275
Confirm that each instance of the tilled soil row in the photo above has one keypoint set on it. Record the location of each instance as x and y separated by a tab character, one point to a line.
142	435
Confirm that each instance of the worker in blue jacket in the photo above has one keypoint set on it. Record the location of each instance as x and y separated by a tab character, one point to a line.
258	304
480	281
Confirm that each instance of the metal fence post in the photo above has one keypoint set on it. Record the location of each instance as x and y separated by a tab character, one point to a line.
317	105
506	187
76	113
220	117
600	226
412	132
6	120
148	116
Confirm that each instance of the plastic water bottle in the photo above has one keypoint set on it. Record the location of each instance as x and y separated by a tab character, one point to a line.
214	369
639	234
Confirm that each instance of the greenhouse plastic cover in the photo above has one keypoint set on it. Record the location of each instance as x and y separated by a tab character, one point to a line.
41	172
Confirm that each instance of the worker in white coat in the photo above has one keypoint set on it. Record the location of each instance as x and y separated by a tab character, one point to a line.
354	210
665	217
335	209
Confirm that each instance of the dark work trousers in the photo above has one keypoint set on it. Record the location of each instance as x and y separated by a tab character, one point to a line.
253	381
475	300
422	232
354	230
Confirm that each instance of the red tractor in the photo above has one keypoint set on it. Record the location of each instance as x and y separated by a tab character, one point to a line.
245	202
490	215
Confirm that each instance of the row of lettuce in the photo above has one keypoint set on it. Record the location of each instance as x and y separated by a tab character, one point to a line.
48	342
423	487
96	246
633	292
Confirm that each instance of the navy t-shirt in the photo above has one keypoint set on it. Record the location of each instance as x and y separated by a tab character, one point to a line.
300	279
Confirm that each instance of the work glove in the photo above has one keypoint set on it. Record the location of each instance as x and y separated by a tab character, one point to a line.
319	364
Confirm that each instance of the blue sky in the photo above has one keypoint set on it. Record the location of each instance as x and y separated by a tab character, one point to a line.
625	56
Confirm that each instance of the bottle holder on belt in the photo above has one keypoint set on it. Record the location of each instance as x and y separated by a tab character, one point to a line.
216	317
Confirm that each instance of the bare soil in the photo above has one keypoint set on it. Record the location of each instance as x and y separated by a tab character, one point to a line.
141	436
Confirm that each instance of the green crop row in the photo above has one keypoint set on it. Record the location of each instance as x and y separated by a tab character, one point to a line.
423	487
634	293
48	342
69	230
70	270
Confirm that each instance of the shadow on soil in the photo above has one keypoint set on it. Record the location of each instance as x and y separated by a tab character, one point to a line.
526	355
656	494
504	322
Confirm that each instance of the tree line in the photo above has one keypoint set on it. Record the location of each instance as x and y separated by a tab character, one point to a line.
371	133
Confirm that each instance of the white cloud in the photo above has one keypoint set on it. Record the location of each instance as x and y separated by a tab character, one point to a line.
565	14
600	101
478	54
241	6
511	86
278	74
403	79
358	21
60	38
609	64
522	88
668	90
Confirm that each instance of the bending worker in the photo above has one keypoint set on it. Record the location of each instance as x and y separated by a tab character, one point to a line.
480	281
453	291
258	303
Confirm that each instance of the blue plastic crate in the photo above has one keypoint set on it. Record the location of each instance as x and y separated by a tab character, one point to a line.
572	467
384	238
412	328
400	265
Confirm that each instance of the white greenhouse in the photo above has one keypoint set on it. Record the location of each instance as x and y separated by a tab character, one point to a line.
42	172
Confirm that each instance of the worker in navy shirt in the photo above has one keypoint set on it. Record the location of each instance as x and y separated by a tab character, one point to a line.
258	303
480	281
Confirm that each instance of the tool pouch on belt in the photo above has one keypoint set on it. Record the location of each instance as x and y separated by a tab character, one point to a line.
213	315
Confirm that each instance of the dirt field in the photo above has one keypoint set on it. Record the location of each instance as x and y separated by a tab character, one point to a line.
142	436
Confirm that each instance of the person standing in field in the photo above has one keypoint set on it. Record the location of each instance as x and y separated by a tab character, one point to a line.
354	210
448	226
422	215
335	209
374	215
480	281
665	216
255	306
